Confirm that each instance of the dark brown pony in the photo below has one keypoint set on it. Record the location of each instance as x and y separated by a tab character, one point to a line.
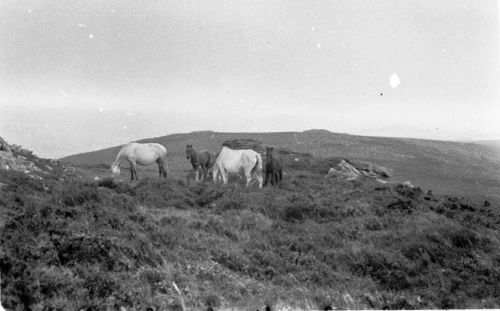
273	168
201	161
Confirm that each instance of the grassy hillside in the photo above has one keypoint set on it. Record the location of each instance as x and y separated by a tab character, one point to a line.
465	169
69	243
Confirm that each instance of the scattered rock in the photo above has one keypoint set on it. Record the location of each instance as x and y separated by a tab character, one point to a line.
408	183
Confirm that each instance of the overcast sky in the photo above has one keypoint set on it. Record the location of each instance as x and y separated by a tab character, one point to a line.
82	75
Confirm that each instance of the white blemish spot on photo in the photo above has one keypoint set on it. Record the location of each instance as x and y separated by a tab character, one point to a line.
394	81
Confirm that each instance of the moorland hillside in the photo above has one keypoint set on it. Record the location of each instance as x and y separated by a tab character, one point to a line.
462	169
70	242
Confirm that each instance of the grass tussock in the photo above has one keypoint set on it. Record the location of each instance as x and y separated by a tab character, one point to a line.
308	243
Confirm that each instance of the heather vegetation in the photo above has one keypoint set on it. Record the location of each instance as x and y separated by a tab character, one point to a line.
71	243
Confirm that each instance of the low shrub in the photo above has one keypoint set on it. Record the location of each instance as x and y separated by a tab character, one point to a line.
119	187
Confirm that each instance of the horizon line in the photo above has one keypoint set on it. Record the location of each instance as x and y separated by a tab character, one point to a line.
277	132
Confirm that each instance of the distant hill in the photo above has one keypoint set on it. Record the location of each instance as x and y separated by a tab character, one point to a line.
495	143
456	168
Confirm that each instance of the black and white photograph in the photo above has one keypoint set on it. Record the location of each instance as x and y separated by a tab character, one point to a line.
175	155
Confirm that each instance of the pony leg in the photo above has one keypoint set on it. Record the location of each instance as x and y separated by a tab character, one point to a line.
162	162
248	177
224	176
197	173
205	172
161	168
215	174
163	172
200	173
259	179
133	170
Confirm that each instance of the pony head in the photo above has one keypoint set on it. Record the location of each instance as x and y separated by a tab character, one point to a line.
115	169
189	150
269	152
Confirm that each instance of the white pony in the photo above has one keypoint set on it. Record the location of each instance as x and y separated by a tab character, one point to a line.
142	154
233	161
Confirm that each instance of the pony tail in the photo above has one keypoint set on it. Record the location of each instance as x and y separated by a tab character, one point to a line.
258	164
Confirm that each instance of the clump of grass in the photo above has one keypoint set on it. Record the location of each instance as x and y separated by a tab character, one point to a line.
119	187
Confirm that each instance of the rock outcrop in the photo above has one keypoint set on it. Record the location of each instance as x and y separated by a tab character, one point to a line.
344	169
13	157
351	170
4	146
373	170
245	144
6	156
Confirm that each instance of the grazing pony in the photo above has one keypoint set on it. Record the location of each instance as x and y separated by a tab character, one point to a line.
142	154
234	161
273	168
201	161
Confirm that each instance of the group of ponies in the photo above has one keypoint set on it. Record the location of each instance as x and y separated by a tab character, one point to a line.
227	162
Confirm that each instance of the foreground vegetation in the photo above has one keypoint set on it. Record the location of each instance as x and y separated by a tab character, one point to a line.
69	243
